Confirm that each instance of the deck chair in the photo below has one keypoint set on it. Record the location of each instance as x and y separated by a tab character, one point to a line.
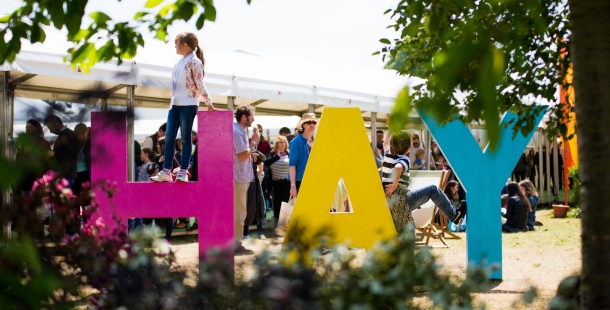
424	216
443	222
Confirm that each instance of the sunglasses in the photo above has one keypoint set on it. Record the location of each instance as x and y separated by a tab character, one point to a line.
310	123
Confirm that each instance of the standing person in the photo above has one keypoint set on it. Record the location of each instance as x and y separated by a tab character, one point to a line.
379	136
187	87
301	147
66	148
243	174
517	209
261	143
285	132
83	161
279	164
151	141
528	188
520	168
255	201
402	201
33	155
531	164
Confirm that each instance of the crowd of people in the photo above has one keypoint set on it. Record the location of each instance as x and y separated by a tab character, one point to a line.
265	174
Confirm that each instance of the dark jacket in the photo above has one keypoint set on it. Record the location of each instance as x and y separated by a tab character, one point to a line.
516	214
66	150
87	152
256	201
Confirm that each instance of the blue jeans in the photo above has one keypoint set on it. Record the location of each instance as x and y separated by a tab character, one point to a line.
416	198
179	117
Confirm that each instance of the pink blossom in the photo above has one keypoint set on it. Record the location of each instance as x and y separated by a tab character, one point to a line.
64	182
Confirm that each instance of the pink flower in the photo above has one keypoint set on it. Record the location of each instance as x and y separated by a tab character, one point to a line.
64	182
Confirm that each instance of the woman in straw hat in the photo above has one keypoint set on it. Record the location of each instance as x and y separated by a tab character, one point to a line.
300	148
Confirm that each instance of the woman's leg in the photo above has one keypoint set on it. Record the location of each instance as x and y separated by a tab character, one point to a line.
173	122
187	117
416	198
169	227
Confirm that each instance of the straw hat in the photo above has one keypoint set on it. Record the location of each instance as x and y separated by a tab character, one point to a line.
307	117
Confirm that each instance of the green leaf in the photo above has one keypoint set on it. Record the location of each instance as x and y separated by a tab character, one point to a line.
56	11
4	19
432	23
387	11
385	41
377	53
140	15
152	3
99	17
37	34
400	113
210	13
200	21
82	34
76	11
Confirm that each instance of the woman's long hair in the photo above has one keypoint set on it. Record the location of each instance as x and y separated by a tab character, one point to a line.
514	190
191	40
530	190
448	191
39	134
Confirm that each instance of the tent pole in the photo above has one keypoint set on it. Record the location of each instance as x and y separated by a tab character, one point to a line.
547	179
231	103
555	170
5	153
131	174
429	148
540	167
104	105
312	108
374	131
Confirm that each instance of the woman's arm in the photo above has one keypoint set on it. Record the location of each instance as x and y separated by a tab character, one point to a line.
196	72
271	160
510	205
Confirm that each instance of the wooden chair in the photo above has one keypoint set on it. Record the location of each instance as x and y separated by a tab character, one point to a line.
443	225
424	217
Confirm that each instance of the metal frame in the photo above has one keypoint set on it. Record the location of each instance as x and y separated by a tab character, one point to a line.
131	174
5	131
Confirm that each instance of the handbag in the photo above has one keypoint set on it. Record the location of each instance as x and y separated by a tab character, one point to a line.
285	214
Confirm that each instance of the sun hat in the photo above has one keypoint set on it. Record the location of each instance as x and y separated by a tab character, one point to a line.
307	117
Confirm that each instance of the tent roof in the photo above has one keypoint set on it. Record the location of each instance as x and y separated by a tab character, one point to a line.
276	85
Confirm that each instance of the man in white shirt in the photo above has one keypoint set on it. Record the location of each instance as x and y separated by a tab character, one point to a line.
416	144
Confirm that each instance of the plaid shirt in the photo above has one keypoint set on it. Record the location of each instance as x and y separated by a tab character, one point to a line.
242	171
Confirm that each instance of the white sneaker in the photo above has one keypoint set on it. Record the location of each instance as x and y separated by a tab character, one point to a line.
162	176
182	176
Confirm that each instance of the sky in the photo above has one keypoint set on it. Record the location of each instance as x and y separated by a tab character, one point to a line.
337	31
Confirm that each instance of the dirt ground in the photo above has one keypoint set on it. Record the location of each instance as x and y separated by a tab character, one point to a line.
538	259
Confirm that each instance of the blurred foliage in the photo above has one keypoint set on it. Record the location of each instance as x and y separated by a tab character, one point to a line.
568	295
103	39
481	58
138	270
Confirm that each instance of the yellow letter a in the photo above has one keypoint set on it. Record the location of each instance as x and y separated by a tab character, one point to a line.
341	150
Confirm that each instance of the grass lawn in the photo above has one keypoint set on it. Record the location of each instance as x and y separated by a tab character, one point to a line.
538	259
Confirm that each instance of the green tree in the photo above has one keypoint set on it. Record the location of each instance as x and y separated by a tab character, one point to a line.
502	54
119	40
